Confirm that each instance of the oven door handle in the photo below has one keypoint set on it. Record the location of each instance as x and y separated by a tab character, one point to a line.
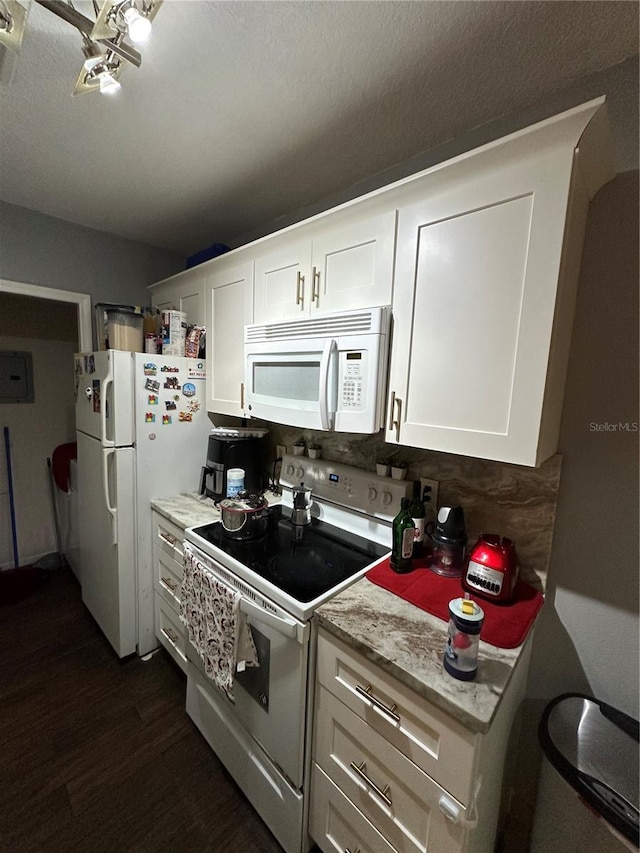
286	627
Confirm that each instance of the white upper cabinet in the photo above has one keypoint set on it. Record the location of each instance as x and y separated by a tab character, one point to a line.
341	267
488	256
283	281
229	301
184	292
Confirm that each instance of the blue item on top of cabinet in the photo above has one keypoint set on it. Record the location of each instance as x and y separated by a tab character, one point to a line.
203	255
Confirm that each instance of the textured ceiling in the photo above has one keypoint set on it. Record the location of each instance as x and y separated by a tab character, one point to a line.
245	111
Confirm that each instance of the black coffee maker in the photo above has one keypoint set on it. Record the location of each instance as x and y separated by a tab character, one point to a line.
234	448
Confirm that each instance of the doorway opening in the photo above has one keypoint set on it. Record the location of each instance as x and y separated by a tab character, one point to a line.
50	325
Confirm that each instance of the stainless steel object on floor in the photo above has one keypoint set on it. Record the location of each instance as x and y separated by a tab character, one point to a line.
588	793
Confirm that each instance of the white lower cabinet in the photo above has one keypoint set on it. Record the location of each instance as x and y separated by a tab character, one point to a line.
167	579
390	771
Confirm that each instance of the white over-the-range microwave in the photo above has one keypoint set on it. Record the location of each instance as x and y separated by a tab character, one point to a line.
327	372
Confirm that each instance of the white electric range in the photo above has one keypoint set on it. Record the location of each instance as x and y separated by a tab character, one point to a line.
263	736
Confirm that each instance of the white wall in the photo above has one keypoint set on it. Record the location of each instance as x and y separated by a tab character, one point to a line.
50	252
35	429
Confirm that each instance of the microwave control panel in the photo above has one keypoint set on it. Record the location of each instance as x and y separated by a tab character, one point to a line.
352	381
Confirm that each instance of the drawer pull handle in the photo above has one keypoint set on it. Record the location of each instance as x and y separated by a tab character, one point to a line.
169	584
173	638
171	540
383	793
348	850
367	694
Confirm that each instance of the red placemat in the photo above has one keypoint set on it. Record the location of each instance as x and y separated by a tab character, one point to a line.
505	625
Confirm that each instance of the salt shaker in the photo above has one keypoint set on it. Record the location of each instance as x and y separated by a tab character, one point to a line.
461	652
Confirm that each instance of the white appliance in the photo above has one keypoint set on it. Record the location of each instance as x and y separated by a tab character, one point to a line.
141	430
263	738
328	372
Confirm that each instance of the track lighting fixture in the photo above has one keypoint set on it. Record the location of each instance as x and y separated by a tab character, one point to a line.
105	43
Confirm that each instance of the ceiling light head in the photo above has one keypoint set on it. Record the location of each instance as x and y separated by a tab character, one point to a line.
99	74
107	83
13	17
132	17
138	26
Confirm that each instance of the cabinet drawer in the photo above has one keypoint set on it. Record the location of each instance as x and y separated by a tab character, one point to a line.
398	798
439	745
168	536
170	631
168	577
335	824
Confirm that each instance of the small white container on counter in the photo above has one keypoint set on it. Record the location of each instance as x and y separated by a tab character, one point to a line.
235	481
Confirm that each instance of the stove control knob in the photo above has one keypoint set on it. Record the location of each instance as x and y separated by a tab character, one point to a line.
299	473
289	470
386	498
372	494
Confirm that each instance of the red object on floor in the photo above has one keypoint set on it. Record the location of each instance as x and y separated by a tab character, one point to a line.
61	464
505	625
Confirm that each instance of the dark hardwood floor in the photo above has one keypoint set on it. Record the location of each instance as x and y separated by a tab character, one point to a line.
98	754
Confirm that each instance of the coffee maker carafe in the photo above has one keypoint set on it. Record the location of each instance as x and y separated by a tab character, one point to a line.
228	450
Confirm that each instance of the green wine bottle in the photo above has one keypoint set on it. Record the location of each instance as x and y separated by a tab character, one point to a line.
403	535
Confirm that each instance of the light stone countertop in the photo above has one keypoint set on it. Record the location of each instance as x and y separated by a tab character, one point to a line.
408	643
397	636
190	509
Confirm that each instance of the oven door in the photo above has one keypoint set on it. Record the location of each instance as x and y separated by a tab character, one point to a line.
270	699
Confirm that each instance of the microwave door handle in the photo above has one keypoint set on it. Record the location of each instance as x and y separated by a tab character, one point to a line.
326	416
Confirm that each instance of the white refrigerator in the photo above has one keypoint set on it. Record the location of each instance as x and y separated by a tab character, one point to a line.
141	428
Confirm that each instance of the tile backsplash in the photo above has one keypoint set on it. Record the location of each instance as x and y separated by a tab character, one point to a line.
511	500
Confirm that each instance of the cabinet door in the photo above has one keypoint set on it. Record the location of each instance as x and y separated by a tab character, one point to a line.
229	298
475	292
353	265
184	293
283	283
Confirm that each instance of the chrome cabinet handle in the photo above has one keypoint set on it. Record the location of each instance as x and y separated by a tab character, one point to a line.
394	423
169	584
366	693
383	793
168	538
300	290
173	638
315	292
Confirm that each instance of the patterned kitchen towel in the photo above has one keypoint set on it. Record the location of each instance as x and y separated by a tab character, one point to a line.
216	626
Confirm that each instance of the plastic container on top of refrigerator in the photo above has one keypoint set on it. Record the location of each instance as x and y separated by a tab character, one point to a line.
124	330
117	325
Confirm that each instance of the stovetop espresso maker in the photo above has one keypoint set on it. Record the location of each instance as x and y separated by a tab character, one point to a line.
301	509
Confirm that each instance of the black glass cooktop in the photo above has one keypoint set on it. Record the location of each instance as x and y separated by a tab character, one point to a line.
303	561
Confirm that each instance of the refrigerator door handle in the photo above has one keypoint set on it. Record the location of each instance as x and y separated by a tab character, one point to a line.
106	453
106	383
